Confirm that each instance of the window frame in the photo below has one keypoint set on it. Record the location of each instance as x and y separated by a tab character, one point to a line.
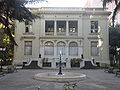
94	26
28	26
61	48
76	26
94	47
61	27
51	47
72	47
51	26
29	46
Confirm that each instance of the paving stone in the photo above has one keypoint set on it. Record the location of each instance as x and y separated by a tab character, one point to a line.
23	80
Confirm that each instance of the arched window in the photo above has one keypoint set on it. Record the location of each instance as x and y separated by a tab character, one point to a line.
73	49
49	48
61	47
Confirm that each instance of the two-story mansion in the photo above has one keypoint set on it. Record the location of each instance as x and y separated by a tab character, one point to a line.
75	32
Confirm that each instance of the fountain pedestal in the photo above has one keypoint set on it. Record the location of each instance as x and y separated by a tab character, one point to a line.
55	77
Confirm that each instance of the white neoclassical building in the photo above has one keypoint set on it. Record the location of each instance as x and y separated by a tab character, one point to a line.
75	32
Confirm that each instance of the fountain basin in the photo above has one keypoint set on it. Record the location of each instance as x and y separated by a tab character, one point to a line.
54	77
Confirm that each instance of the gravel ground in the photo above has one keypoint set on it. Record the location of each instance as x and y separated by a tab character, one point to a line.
96	79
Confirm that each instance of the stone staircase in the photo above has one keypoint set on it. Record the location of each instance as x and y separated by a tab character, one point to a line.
31	65
89	64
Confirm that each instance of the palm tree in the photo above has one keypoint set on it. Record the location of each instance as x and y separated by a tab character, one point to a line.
11	10
117	7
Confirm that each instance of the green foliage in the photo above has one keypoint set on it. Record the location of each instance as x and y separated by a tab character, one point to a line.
11	10
15	9
114	42
114	36
5	41
39	88
69	86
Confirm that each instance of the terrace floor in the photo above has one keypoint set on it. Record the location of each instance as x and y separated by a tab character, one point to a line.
97	79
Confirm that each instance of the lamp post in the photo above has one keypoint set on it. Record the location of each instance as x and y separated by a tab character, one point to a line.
60	67
2	49
118	50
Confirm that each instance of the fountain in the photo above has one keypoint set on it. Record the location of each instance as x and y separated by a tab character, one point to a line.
59	77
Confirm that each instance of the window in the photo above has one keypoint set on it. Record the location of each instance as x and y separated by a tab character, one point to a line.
73	49
61	26
28	48
73	26
49	26
28	26
49	48
61	47
94	26
94	48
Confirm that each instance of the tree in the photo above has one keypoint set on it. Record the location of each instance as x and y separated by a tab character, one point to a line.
5	41
117	8
11	10
114	42
114	35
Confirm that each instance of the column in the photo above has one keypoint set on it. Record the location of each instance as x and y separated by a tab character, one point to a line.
67	29
80	27
80	51
55	28
68	64
53	63
42	48
67	50
55	50
55	55
42	33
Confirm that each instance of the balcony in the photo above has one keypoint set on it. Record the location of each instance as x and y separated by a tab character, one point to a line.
73	34
49	33
61	33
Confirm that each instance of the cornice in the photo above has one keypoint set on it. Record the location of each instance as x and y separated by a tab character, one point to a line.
28	37
95	37
69	10
60	37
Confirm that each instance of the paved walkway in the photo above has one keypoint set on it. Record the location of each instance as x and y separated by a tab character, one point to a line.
22	80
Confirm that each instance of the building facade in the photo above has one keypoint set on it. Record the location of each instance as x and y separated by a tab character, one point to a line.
75	32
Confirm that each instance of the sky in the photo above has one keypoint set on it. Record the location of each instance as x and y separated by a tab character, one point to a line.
61	3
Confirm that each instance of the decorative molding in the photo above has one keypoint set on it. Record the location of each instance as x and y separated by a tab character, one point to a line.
94	34
28	33
80	41
94	37
55	41
67	41
60	37
42	41
28	37
78	10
